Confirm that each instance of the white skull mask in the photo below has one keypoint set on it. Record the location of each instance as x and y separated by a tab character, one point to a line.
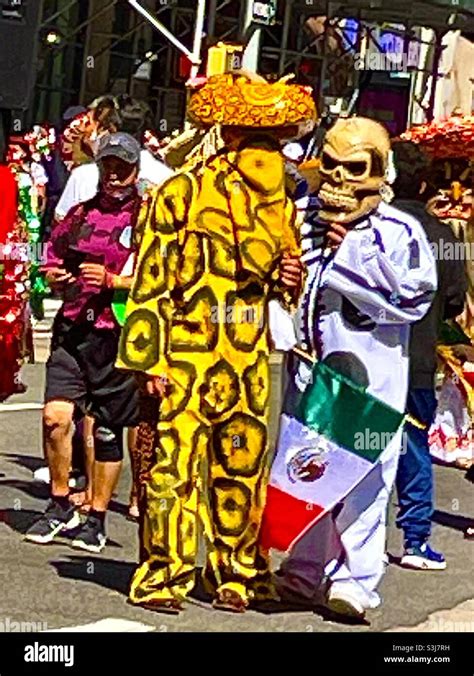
353	165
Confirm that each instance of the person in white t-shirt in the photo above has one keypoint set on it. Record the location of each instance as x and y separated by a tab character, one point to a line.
83	182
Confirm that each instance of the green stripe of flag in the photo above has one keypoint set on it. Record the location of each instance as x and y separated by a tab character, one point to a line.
342	411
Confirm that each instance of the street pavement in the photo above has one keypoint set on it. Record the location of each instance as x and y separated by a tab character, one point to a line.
56	587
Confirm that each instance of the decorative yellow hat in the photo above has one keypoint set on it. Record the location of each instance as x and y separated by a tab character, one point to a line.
250	101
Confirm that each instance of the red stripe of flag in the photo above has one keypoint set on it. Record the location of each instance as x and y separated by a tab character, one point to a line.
285	518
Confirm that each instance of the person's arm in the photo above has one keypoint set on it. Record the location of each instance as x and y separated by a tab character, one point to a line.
68	199
394	285
288	281
119	282
80	187
455	284
55	251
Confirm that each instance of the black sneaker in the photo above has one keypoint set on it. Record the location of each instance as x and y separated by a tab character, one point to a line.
91	536
54	521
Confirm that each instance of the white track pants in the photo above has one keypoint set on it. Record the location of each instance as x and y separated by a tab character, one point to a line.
347	550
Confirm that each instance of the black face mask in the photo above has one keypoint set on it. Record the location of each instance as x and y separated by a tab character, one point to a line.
119	194
113	200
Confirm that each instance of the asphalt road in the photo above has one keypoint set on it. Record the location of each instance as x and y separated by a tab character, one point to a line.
56	587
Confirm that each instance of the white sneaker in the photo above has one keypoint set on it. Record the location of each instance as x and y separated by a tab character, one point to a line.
345	604
43	476
423	558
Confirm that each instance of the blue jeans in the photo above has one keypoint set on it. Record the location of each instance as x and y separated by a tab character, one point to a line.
415	475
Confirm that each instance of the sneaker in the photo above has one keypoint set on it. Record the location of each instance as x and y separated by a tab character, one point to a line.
91	537
345	604
55	520
43	476
422	557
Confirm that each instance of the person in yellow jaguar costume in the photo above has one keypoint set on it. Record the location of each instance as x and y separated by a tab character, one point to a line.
212	241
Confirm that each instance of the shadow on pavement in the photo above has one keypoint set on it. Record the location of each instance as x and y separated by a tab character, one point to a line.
40	491
34	489
112	574
452	520
20	520
118	507
29	461
108	573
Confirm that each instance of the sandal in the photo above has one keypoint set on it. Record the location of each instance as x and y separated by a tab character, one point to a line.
168	606
133	512
230	600
77	499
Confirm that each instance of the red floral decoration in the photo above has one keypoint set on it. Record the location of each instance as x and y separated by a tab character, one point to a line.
14	284
449	138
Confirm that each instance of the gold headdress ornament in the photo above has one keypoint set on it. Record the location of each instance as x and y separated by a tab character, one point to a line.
243	99
175	149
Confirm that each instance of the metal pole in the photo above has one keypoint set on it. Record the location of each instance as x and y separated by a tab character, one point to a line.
198	33
113	44
438	50
159	26
284	38
324	64
91	19
211	19
252	51
58	13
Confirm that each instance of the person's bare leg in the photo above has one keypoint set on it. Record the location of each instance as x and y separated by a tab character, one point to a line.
83	499
106	475
57	431
89	456
132	434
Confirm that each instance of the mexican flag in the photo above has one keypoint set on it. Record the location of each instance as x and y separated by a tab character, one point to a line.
332	442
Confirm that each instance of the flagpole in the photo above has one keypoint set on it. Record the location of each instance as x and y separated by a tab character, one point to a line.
304	355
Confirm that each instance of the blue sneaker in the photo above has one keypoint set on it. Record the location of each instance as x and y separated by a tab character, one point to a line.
422	557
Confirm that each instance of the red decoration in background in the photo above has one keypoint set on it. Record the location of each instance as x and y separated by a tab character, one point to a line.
13	287
445	139
8	202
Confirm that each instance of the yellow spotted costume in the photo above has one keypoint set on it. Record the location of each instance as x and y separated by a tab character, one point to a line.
197	317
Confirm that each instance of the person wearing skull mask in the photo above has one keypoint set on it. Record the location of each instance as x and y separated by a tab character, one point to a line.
370	274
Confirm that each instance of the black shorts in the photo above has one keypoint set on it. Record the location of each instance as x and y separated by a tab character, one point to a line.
81	370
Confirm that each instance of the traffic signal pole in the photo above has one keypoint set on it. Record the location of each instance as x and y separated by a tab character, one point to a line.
251	55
